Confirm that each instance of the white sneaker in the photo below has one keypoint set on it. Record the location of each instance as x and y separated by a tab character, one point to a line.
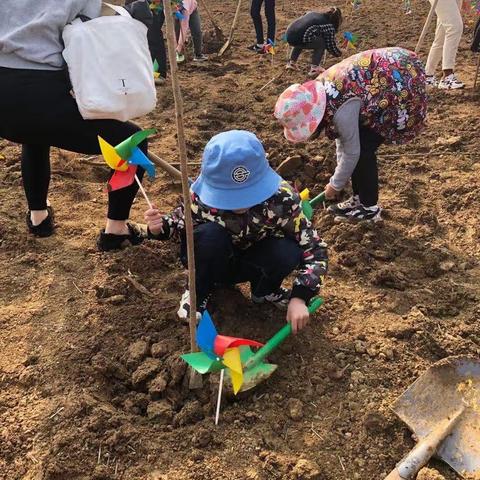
183	311
431	81
180	57
200	58
450	82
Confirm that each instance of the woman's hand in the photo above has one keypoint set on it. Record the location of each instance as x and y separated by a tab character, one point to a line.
154	220
297	314
331	193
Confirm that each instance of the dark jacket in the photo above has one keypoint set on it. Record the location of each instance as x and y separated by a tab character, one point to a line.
475	47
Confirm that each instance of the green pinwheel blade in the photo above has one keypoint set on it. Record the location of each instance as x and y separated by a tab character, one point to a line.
125	148
202	363
307	209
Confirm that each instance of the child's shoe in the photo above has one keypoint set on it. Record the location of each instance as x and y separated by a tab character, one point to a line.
183	311
450	82
345	207
279	299
315	71
291	66
431	81
180	57
257	48
109	241
200	58
361	213
160	80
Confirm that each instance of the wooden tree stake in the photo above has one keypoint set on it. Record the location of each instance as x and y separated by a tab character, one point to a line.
195	378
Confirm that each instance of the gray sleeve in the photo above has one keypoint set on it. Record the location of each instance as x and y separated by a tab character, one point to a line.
346	122
91	8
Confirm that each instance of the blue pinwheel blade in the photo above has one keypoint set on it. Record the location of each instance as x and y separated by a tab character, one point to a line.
206	333
140	159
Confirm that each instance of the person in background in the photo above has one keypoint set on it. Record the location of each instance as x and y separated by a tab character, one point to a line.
314	31
374	97
259	46
249	226
38	111
445	45
191	21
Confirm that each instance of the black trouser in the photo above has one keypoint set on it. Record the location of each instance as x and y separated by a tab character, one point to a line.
218	262
257	19
365	175
156	43
37	110
318	47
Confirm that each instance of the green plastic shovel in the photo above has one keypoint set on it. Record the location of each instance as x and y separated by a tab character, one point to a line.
309	205
255	370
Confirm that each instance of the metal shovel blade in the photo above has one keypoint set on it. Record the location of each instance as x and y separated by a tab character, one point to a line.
437	395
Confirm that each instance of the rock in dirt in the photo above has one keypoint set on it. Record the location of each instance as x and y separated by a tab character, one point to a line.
115	299
145	371
177	368
159	349
192	412
202	438
158	385
306	470
137	352
360	347
429	474
136	403
295	409
374	423
290	165
160	412
451	141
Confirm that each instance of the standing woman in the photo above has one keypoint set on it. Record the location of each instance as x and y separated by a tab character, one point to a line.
38	111
371	98
445	45
259	47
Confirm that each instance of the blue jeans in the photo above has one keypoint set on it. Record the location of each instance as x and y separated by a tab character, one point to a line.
218	262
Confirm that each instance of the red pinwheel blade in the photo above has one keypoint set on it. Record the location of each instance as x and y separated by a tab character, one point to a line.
222	342
121	179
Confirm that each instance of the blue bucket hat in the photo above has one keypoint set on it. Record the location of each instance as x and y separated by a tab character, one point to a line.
235	172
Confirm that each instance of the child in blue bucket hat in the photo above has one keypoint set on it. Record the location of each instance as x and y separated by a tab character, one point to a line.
248	227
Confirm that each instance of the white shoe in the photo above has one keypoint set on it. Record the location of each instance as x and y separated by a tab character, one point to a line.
431	81
180	57
450	82
183	311
200	58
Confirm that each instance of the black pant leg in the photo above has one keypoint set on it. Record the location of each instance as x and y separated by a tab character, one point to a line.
156	43
365	175
36	175
213	257
257	20
267	263
271	20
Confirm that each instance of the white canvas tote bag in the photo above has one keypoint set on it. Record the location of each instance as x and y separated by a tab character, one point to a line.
110	67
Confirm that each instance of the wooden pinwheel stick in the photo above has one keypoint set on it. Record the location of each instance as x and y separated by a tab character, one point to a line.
219	397
195	378
140	186
426	26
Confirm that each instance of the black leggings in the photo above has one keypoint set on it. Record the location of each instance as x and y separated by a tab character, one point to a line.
365	175
156	43
318	47
37	111
257	19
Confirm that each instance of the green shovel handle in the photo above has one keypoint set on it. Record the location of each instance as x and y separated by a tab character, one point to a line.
279	337
320	198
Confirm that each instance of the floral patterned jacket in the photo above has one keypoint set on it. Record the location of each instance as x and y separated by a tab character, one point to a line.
279	216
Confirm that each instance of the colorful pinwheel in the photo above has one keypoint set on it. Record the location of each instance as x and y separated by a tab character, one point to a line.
350	40
124	159
269	47
218	352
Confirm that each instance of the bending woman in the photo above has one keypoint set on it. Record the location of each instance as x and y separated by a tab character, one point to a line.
371	98
38	111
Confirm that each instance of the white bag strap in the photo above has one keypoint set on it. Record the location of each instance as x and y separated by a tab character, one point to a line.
120	10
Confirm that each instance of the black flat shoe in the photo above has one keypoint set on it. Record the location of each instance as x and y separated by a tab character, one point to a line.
44	229
109	241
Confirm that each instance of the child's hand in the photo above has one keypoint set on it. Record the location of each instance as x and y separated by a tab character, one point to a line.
297	314
330	192
154	220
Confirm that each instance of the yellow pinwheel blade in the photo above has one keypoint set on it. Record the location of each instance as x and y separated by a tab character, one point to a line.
305	194
111	157
231	359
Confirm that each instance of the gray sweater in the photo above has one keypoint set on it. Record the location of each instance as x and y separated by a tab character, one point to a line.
31	31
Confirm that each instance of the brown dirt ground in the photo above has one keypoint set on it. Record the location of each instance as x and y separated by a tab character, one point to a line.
80	345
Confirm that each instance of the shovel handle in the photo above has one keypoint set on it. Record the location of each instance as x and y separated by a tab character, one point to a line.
394	475
279	337
320	198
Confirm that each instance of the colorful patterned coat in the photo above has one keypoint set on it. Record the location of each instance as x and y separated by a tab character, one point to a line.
391	84
279	216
